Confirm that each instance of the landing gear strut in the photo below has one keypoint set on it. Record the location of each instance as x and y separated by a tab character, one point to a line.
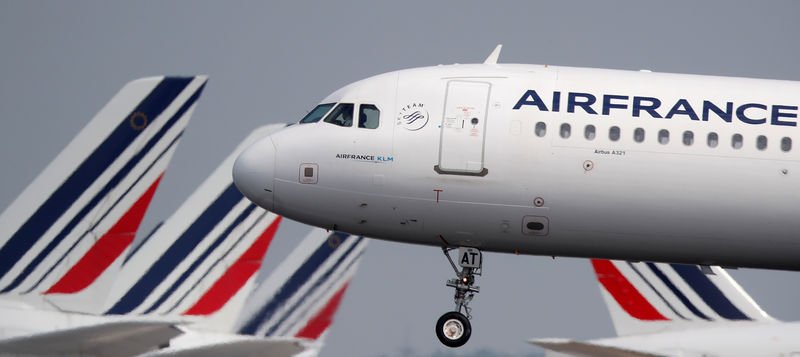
453	328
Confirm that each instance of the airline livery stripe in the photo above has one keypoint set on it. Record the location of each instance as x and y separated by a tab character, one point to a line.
107	249
178	251
118	177
677	292
219	260
85	174
297	280
319	323
200	259
709	292
314	287
633	267
623	292
236	276
308	304
99	221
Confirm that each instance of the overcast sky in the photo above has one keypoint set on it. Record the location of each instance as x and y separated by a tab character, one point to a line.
270	62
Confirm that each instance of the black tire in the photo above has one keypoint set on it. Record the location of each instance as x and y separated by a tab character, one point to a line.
453	329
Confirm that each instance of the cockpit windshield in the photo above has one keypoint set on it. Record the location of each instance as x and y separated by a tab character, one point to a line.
317	113
342	115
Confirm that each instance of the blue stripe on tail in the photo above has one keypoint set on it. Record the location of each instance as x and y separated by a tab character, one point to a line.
709	292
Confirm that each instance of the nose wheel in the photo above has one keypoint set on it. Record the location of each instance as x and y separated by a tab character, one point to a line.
453	328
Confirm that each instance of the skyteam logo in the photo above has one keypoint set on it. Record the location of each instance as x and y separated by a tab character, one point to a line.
413	117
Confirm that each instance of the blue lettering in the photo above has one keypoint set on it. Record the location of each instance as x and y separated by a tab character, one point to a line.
740	113
777	115
607	105
726	115
586	105
556	101
654	103
535	100
781	115
682	107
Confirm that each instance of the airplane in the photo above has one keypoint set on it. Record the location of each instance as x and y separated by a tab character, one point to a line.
663	309
544	160
62	239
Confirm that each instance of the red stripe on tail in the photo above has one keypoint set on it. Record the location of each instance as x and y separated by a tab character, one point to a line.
624	292
236	276
320	322
107	249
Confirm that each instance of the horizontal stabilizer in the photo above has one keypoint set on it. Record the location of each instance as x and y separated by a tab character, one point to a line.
585	349
125	338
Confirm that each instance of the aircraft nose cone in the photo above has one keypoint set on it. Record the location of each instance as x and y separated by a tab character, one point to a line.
254	172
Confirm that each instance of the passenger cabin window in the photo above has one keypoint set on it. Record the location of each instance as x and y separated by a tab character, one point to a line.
565	131
342	115
688	138
761	142
317	113
540	129
663	137
588	133
786	144
736	141
713	139
638	135
368	116
613	133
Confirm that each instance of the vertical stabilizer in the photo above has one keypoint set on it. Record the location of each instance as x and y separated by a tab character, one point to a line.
656	297
62	237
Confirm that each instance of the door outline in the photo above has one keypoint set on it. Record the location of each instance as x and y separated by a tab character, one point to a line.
444	125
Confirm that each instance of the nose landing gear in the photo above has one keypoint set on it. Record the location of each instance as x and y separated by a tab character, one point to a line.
453	328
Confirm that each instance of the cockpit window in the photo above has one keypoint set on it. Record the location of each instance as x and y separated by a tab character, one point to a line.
342	115
317	113
368	116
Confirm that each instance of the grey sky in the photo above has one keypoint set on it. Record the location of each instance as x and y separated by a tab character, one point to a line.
269	62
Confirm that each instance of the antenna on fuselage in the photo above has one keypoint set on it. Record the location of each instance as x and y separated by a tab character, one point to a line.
492	59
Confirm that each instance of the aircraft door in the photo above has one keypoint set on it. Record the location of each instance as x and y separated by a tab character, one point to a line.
463	128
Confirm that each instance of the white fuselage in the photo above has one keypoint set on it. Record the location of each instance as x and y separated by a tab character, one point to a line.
495	166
